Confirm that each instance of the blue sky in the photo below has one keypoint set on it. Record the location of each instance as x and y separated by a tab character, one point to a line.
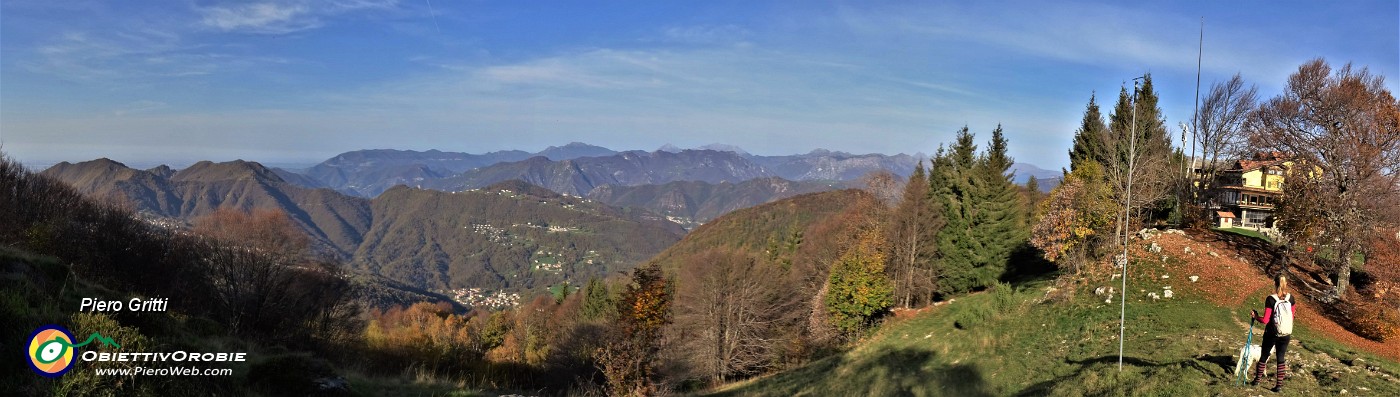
300	81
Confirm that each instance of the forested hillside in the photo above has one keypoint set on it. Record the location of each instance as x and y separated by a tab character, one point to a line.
334	220
696	202
509	238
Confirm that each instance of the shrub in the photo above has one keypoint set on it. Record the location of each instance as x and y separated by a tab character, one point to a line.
973	314
1004	296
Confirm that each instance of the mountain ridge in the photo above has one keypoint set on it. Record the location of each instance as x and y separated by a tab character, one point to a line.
426	238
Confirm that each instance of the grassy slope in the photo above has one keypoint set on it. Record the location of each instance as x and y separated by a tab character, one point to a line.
1179	346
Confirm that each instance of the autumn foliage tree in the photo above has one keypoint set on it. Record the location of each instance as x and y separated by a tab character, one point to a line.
629	359
1073	220
426	334
1342	129
858	293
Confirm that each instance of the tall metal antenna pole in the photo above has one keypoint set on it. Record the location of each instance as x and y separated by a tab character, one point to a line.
1196	114
1127	203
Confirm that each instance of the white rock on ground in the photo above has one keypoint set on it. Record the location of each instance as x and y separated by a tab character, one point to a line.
1194	278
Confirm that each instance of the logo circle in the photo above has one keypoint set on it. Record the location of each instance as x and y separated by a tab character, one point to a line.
50	351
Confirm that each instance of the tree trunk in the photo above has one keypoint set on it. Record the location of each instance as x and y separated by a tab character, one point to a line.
1344	273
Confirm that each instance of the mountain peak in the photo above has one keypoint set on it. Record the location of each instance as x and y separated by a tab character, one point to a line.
208	171
88	176
574	150
162	171
99	166
669	148
720	147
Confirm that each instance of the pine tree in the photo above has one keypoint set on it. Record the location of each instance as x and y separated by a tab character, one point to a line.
1149	141
597	301
1153	136
957	182
1119	126
983	210
1003	229
1089	138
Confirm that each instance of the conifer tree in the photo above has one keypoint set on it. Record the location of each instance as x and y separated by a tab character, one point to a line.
597	301
1033	195
1089	138
1151	149
1004	211
984	213
957	194
1152	127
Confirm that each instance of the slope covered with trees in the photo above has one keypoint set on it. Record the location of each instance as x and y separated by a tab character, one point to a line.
696	202
512	237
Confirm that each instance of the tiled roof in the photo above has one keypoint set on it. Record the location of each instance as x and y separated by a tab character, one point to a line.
1224	214
1260	160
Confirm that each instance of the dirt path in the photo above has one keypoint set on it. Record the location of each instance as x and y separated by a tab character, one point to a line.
1229	280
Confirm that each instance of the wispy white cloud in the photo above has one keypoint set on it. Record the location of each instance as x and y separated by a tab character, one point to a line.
260	18
282	17
176	43
124	57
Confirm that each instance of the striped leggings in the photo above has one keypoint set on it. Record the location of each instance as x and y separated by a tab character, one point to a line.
1280	344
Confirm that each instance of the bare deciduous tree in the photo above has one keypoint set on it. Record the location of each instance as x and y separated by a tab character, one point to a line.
913	245
883	184
1220	130
731	306
1342	128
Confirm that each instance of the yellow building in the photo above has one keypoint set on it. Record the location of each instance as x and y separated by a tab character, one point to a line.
1249	190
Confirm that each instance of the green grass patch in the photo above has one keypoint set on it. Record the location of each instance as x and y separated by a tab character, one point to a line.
1246	233
1006	342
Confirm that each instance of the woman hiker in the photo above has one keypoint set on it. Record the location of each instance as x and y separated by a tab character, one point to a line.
1278	331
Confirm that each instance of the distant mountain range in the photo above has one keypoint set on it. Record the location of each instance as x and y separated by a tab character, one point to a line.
500	221
693	202
506	237
577	168
367	173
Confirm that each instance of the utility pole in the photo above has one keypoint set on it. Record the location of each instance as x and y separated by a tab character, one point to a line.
1127	205
1196	114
